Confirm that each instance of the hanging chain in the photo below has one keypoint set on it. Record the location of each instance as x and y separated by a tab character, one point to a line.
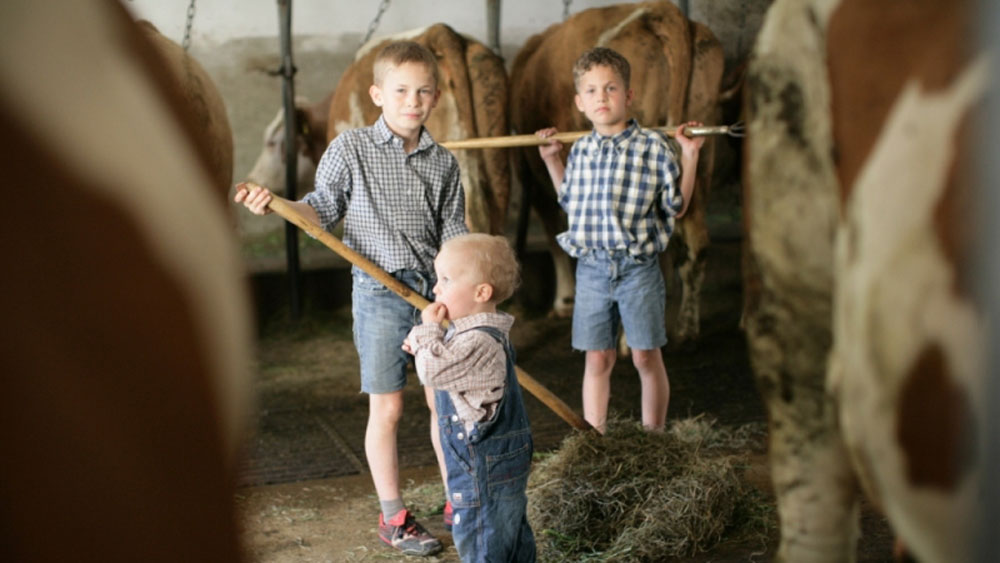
187	27
374	25
566	4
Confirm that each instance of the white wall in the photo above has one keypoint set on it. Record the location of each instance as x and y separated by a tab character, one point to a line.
236	41
217	21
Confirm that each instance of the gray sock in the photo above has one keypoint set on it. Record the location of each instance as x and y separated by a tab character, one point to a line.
391	508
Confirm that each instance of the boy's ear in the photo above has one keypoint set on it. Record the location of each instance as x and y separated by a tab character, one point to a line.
376	93
579	101
629	95
484	292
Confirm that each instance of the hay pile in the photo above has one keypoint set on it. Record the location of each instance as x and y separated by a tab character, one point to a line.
633	495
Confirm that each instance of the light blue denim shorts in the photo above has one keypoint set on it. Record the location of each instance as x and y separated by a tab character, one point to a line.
382	320
615	288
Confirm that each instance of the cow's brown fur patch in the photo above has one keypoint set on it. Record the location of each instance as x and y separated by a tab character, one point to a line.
900	30
934	424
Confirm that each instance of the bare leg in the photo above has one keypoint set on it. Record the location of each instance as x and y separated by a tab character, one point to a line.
597	386
384	413
655	387
436	438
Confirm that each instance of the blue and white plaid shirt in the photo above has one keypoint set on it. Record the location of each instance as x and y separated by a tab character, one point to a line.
397	208
620	193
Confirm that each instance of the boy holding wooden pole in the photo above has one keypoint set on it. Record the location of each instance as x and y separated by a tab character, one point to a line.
400	196
619	189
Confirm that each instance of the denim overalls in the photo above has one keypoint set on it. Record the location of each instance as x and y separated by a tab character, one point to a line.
488	474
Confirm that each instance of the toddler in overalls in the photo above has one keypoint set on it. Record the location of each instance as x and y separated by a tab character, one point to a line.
482	421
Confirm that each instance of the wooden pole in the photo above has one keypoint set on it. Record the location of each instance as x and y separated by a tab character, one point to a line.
281	206
510	141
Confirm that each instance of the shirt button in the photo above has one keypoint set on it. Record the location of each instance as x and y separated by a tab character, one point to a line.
460	436
454	418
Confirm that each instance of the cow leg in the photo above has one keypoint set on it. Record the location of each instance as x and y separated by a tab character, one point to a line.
791	208
562	304
691	267
813	481
553	219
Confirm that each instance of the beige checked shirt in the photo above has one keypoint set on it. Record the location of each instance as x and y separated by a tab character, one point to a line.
469	364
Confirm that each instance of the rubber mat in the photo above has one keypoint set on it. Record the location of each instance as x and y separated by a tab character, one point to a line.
312	443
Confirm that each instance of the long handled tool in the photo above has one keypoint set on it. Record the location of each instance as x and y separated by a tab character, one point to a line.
281	207
734	130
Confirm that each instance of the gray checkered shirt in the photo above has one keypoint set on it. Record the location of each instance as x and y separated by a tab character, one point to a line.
397	208
620	193
469	364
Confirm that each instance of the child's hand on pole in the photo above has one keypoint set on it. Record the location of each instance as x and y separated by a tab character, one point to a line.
551	149
434	313
255	198
689	145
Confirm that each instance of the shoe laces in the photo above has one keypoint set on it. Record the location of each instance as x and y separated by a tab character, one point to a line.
410	527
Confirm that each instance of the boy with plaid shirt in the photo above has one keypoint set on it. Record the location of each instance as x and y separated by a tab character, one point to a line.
619	189
400	196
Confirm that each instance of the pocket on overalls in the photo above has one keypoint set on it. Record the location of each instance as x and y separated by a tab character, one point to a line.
463	489
507	472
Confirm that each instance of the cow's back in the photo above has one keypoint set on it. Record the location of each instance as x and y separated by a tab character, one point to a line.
655	37
210	130
126	352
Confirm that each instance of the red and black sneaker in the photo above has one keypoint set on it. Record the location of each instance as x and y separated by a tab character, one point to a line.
406	535
449	516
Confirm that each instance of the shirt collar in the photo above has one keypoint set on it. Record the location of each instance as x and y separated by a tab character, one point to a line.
619	140
500	320
384	135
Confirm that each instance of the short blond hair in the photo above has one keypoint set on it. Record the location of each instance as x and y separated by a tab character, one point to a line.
400	52
492	258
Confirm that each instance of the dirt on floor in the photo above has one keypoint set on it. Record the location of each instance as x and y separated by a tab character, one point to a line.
305	495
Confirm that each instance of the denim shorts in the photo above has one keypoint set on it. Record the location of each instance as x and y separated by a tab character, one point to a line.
612	288
382	320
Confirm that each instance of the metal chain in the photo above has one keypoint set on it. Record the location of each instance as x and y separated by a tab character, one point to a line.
566	4
186	43
374	25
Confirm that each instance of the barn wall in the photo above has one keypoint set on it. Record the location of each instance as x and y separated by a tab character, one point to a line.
218	21
237	42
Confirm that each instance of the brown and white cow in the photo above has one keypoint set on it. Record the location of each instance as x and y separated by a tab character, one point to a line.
677	68
310	140
865	333
125	359
473	103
